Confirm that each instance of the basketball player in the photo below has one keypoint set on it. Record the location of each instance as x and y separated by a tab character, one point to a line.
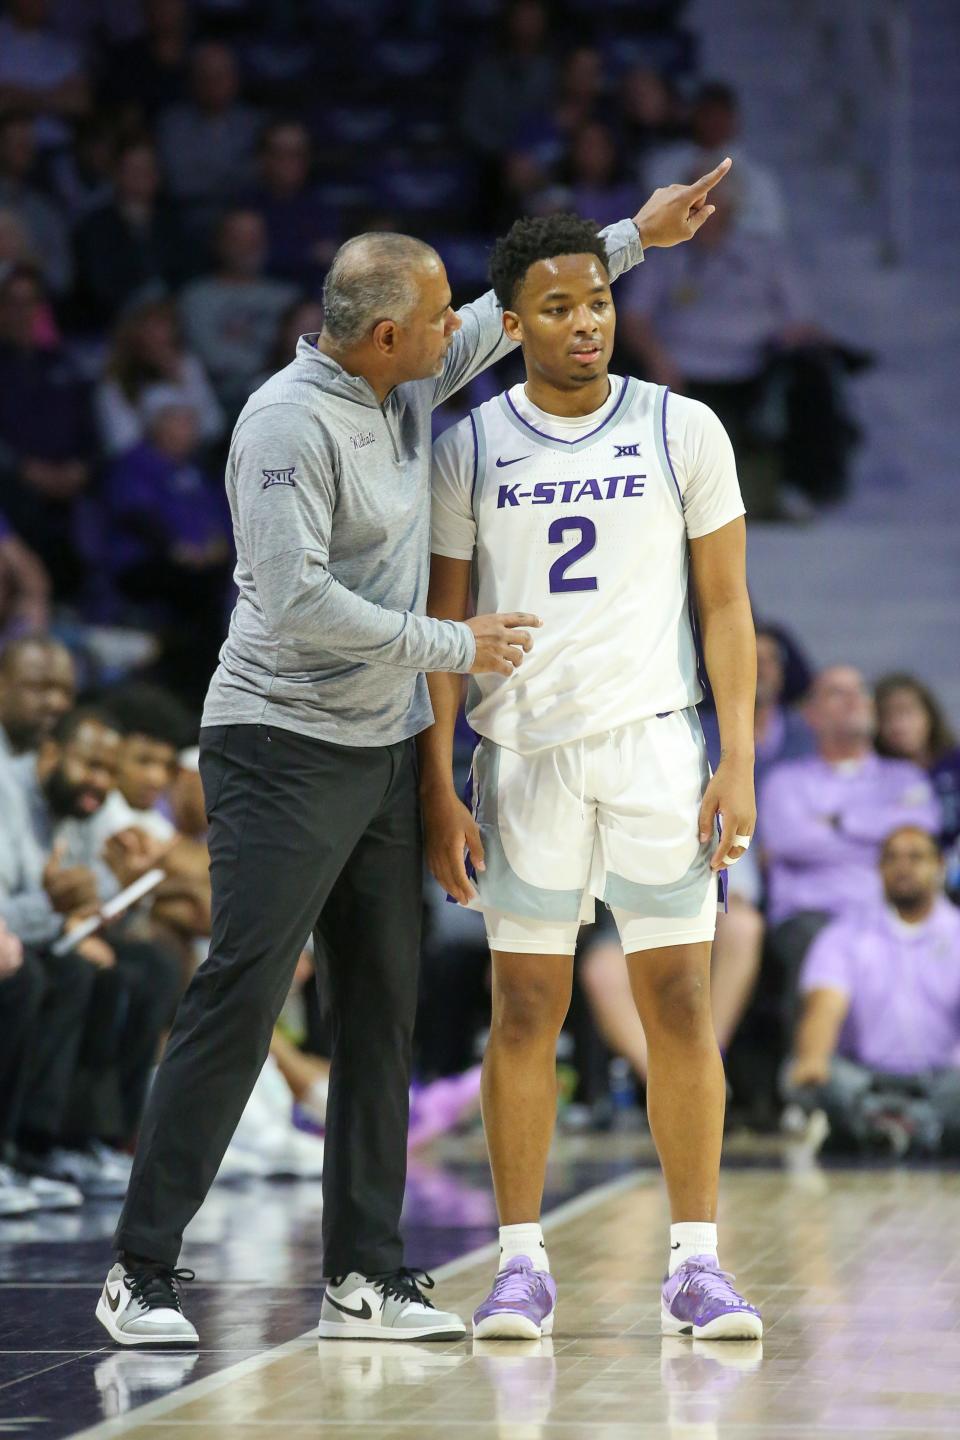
589	496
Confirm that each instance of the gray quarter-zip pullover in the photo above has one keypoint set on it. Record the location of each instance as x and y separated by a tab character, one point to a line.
330	497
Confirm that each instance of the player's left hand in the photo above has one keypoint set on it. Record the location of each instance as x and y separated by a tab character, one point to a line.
730	793
674	213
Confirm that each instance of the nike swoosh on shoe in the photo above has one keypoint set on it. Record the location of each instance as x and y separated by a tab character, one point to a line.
364	1313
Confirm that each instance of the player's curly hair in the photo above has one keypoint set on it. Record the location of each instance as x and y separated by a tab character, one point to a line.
540	238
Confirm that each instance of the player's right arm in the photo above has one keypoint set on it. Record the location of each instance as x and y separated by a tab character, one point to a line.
449	828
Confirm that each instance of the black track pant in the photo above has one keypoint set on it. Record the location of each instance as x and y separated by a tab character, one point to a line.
304	836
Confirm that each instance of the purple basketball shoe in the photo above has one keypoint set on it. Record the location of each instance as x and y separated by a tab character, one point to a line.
521	1305
699	1299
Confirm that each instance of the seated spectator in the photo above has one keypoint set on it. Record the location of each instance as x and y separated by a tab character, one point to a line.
301	228
303	317
878	1043
68	781
45	1004
513	83
42	221
592	177
37	688
40	73
230	318
649	117
135	829
149	358
15	246
47	439
911	725
133	246
548	136
715	125
823	818
168	546
80	177
207	142
24	586
725	321
149	73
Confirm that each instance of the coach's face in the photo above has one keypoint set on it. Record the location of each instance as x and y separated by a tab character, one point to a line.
565	320
420	342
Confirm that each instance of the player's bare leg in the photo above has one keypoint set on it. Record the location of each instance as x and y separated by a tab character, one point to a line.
531	997
685	1103
686	1090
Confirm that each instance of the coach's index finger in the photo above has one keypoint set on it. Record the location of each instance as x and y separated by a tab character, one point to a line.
705	184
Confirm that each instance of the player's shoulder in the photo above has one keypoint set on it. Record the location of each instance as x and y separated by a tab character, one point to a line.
455	447
691	416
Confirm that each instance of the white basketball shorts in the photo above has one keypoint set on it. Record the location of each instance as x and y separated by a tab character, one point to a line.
612	817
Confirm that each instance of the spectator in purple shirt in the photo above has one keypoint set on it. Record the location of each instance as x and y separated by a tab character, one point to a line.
823	818
301	229
878	1044
168	541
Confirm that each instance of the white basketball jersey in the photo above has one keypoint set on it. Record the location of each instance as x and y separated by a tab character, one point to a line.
591	535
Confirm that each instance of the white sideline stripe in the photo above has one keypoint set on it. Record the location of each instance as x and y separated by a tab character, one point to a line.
154	1409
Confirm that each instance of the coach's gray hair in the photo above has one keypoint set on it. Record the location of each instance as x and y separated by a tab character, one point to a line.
372	278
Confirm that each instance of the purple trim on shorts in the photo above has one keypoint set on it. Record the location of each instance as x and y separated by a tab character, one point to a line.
580	438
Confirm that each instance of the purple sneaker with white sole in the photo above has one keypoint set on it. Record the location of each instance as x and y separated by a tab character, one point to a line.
698	1299
521	1305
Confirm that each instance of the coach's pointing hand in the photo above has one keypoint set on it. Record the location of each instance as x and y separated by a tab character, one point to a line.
674	213
501	642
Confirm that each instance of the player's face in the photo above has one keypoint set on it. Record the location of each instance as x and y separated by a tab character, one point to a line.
565	320
421	343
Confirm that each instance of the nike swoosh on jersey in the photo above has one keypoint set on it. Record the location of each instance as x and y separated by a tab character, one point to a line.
501	464
364	1313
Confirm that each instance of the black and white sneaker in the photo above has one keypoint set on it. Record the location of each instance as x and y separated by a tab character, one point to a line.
99	1172
49	1194
16	1197
141	1306
385	1307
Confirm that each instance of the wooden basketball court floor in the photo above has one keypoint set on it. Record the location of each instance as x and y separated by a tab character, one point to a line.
856	1270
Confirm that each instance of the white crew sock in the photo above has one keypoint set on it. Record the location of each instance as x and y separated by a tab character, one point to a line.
523	1240
689	1238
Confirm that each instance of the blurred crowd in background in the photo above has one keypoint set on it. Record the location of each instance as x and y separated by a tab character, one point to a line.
174	179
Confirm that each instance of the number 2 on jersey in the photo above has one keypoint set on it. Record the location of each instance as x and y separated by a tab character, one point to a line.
560	582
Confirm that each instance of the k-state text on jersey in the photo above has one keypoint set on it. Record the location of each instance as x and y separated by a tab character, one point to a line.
566	492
